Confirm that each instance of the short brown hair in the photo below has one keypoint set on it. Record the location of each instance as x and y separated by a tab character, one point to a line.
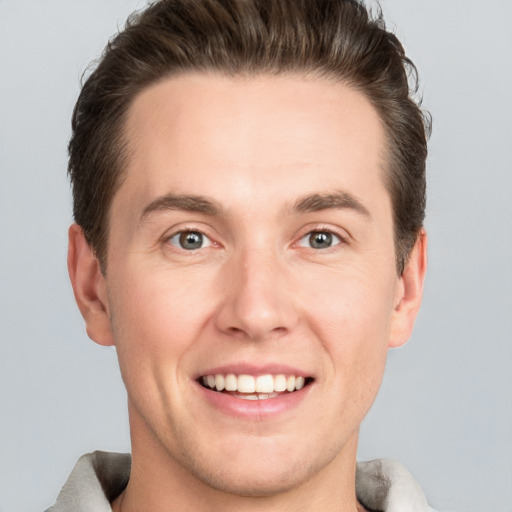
337	39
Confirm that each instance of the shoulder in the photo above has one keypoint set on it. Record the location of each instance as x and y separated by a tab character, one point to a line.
95	481
386	485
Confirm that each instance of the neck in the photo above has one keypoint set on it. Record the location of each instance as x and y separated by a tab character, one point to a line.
158	482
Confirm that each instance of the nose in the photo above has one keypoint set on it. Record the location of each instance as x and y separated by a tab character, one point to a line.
257	298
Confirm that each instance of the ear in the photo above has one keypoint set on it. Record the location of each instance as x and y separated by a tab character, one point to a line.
89	287
409	293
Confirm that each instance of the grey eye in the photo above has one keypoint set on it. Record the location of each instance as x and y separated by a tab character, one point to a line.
319	240
190	240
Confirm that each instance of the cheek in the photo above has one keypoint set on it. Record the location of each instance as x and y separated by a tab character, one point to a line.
157	308
156	325
355	307
351	316
155	320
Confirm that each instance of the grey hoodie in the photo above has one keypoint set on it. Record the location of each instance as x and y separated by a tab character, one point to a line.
98	478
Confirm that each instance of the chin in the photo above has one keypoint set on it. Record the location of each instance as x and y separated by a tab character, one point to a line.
259	472
255	480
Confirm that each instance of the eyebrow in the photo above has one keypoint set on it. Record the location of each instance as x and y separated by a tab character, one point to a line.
336	200
188	203
307	204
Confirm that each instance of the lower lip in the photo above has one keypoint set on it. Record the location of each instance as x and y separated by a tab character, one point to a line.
254	409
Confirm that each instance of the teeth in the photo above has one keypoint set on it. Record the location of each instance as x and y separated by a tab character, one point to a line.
246	384
280	383
264	384
254	388
256	396
231	382
220	382
247	396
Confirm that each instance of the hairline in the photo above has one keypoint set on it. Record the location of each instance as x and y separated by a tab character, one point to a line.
125	151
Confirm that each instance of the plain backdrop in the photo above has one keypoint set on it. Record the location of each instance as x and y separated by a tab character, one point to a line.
445	408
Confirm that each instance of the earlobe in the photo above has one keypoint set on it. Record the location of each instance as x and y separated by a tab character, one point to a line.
410	293
89	287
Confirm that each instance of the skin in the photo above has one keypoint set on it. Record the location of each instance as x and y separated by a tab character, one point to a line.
257	292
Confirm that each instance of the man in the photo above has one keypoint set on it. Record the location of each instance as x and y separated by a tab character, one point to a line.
249	192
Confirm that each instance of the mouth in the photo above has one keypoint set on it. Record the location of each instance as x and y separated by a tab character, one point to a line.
249	387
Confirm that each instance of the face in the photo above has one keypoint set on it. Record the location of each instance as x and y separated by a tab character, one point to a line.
251	288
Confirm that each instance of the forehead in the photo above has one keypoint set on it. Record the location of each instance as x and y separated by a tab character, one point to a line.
217	134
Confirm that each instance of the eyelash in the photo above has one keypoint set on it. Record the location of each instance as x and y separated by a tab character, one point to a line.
321	230
317	230
188	231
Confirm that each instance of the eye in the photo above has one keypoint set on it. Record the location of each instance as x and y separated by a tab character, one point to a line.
319	240
190	240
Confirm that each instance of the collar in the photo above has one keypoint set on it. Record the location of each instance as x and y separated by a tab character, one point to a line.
98	478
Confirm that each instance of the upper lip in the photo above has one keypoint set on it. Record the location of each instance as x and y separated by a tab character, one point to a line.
254	370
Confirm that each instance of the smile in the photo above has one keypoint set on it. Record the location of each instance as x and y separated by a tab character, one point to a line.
249	387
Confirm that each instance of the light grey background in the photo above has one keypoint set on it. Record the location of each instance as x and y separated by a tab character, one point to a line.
445	408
